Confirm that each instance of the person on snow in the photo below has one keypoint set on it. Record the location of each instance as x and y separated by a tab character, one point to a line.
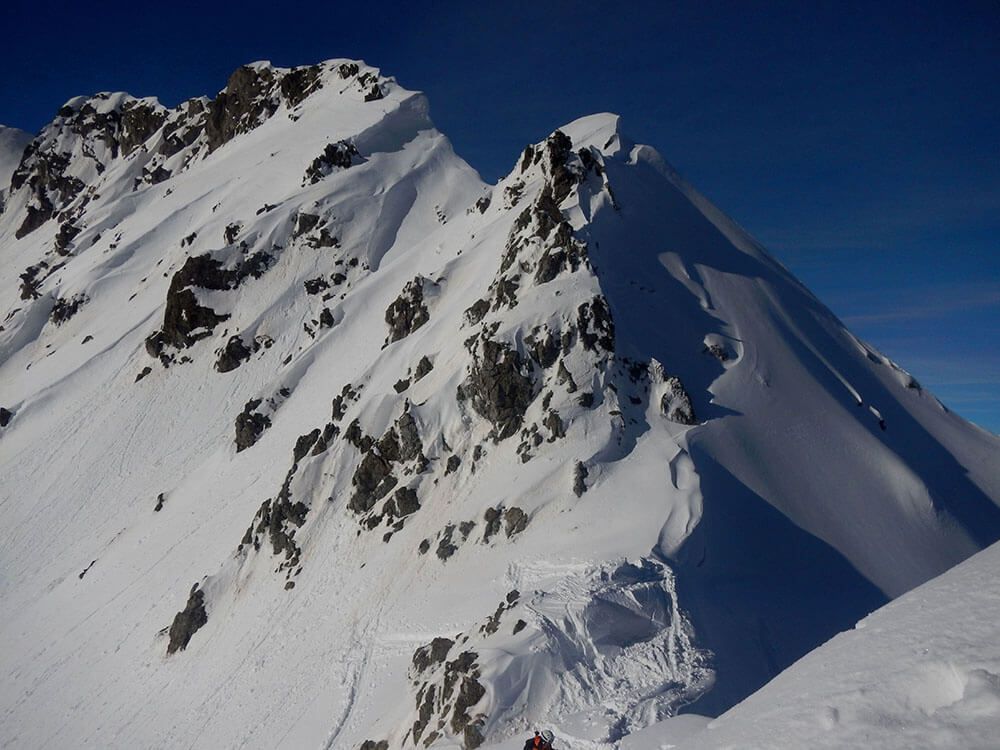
541	741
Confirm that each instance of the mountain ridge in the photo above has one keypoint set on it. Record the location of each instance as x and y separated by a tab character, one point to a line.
486	455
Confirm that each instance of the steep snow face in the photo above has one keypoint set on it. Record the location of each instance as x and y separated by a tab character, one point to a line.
923	671
302	416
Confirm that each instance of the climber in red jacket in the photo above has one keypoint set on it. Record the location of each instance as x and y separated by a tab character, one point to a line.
541	741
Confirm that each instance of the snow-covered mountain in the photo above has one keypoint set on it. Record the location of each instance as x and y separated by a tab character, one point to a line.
312	438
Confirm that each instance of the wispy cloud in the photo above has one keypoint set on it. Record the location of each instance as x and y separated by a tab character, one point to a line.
922	303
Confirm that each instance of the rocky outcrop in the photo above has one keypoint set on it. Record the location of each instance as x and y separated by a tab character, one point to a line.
188	621
232	355
675	403
409	311
374	478
247	100
499	386
51	188
299	83
66	308
185	319
250	425
596	327
447	692
339	155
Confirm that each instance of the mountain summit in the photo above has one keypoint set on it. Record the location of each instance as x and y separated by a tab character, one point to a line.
312	438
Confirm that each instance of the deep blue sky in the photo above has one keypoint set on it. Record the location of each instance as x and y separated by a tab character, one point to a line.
859	142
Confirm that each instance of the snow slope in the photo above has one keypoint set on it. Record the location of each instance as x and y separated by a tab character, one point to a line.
318	439
923	671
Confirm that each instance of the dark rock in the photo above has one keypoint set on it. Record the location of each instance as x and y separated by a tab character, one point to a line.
156	175
298	83
717	351
330	431
425	709
557	150
493	518
446	548
527	157
250	425
515	521
66	234
410	446
143	373
401	385
232	232
519	626
586	400
424	366
408	312
335	155
346	70
553	422
596	327
372	480
159	503
241	106
184	318
469	695
51	188
478	310
326	319
433	653
452	465
340	402
404	502
676	404
304	223
373	745
549	265
544	350
303	444
315	286
498	387
580	474
5	416
188	621
424	547
30	283
325	239
563	376
234	354
64	309
374	93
